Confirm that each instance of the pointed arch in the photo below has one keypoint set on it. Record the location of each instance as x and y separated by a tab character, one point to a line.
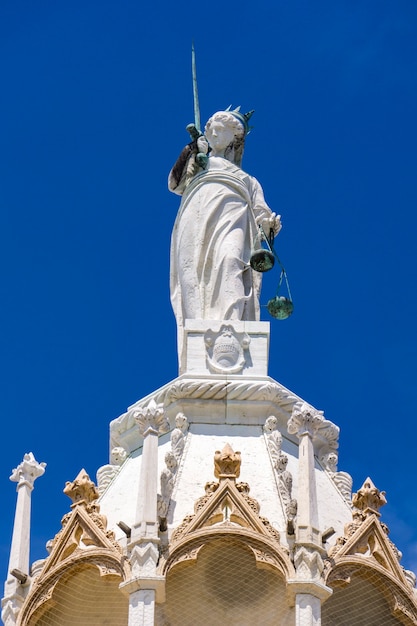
85	562
368	581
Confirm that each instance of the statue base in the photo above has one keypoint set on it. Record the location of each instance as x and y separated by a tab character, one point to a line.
225	347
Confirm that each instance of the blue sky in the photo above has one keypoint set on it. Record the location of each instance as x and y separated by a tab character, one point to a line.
95	100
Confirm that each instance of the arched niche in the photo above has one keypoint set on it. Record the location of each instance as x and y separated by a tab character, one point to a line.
225	578
364	595
81	592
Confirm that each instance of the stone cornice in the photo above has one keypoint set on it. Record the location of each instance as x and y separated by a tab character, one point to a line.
216	399
217	389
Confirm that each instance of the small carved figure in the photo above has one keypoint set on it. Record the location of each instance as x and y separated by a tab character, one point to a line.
172	459
291	513
270	425
342	480
284	478
178	435
118	456
167	484
210	487
106	473
273	436
329	461
167	474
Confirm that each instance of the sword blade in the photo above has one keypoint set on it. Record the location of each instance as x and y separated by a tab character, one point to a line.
197	121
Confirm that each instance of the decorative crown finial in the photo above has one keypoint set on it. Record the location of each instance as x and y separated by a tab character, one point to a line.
369	499
82	490
227	463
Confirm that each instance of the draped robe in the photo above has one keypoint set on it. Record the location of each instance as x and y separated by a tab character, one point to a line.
211	245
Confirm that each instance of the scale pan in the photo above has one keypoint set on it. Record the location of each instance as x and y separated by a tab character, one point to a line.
280	307
262	260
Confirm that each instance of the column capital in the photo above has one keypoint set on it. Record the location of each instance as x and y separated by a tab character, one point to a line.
143	583
28	471
305	420
313	588
151	419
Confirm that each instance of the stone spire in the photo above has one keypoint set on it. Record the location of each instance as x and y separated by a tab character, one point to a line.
24	475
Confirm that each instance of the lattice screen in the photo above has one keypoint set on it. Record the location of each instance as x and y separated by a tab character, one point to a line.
362	602
224	586
84	598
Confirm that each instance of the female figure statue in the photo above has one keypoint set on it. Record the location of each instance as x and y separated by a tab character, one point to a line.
218	219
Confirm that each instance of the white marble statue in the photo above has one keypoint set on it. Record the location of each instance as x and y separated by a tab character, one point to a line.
216	225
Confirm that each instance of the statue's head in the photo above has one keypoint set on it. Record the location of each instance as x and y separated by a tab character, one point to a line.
226	130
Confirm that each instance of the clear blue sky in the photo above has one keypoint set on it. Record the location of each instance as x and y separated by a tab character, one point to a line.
95	100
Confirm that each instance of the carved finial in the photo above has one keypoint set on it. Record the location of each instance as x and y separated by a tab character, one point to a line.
82	490
227	463
369	499
28	470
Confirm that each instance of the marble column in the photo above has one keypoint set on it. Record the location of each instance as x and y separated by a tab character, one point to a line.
305	422
307	610
16	586
144	586
142	608
308	588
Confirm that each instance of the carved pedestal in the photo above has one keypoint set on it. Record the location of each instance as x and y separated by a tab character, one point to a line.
225	347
